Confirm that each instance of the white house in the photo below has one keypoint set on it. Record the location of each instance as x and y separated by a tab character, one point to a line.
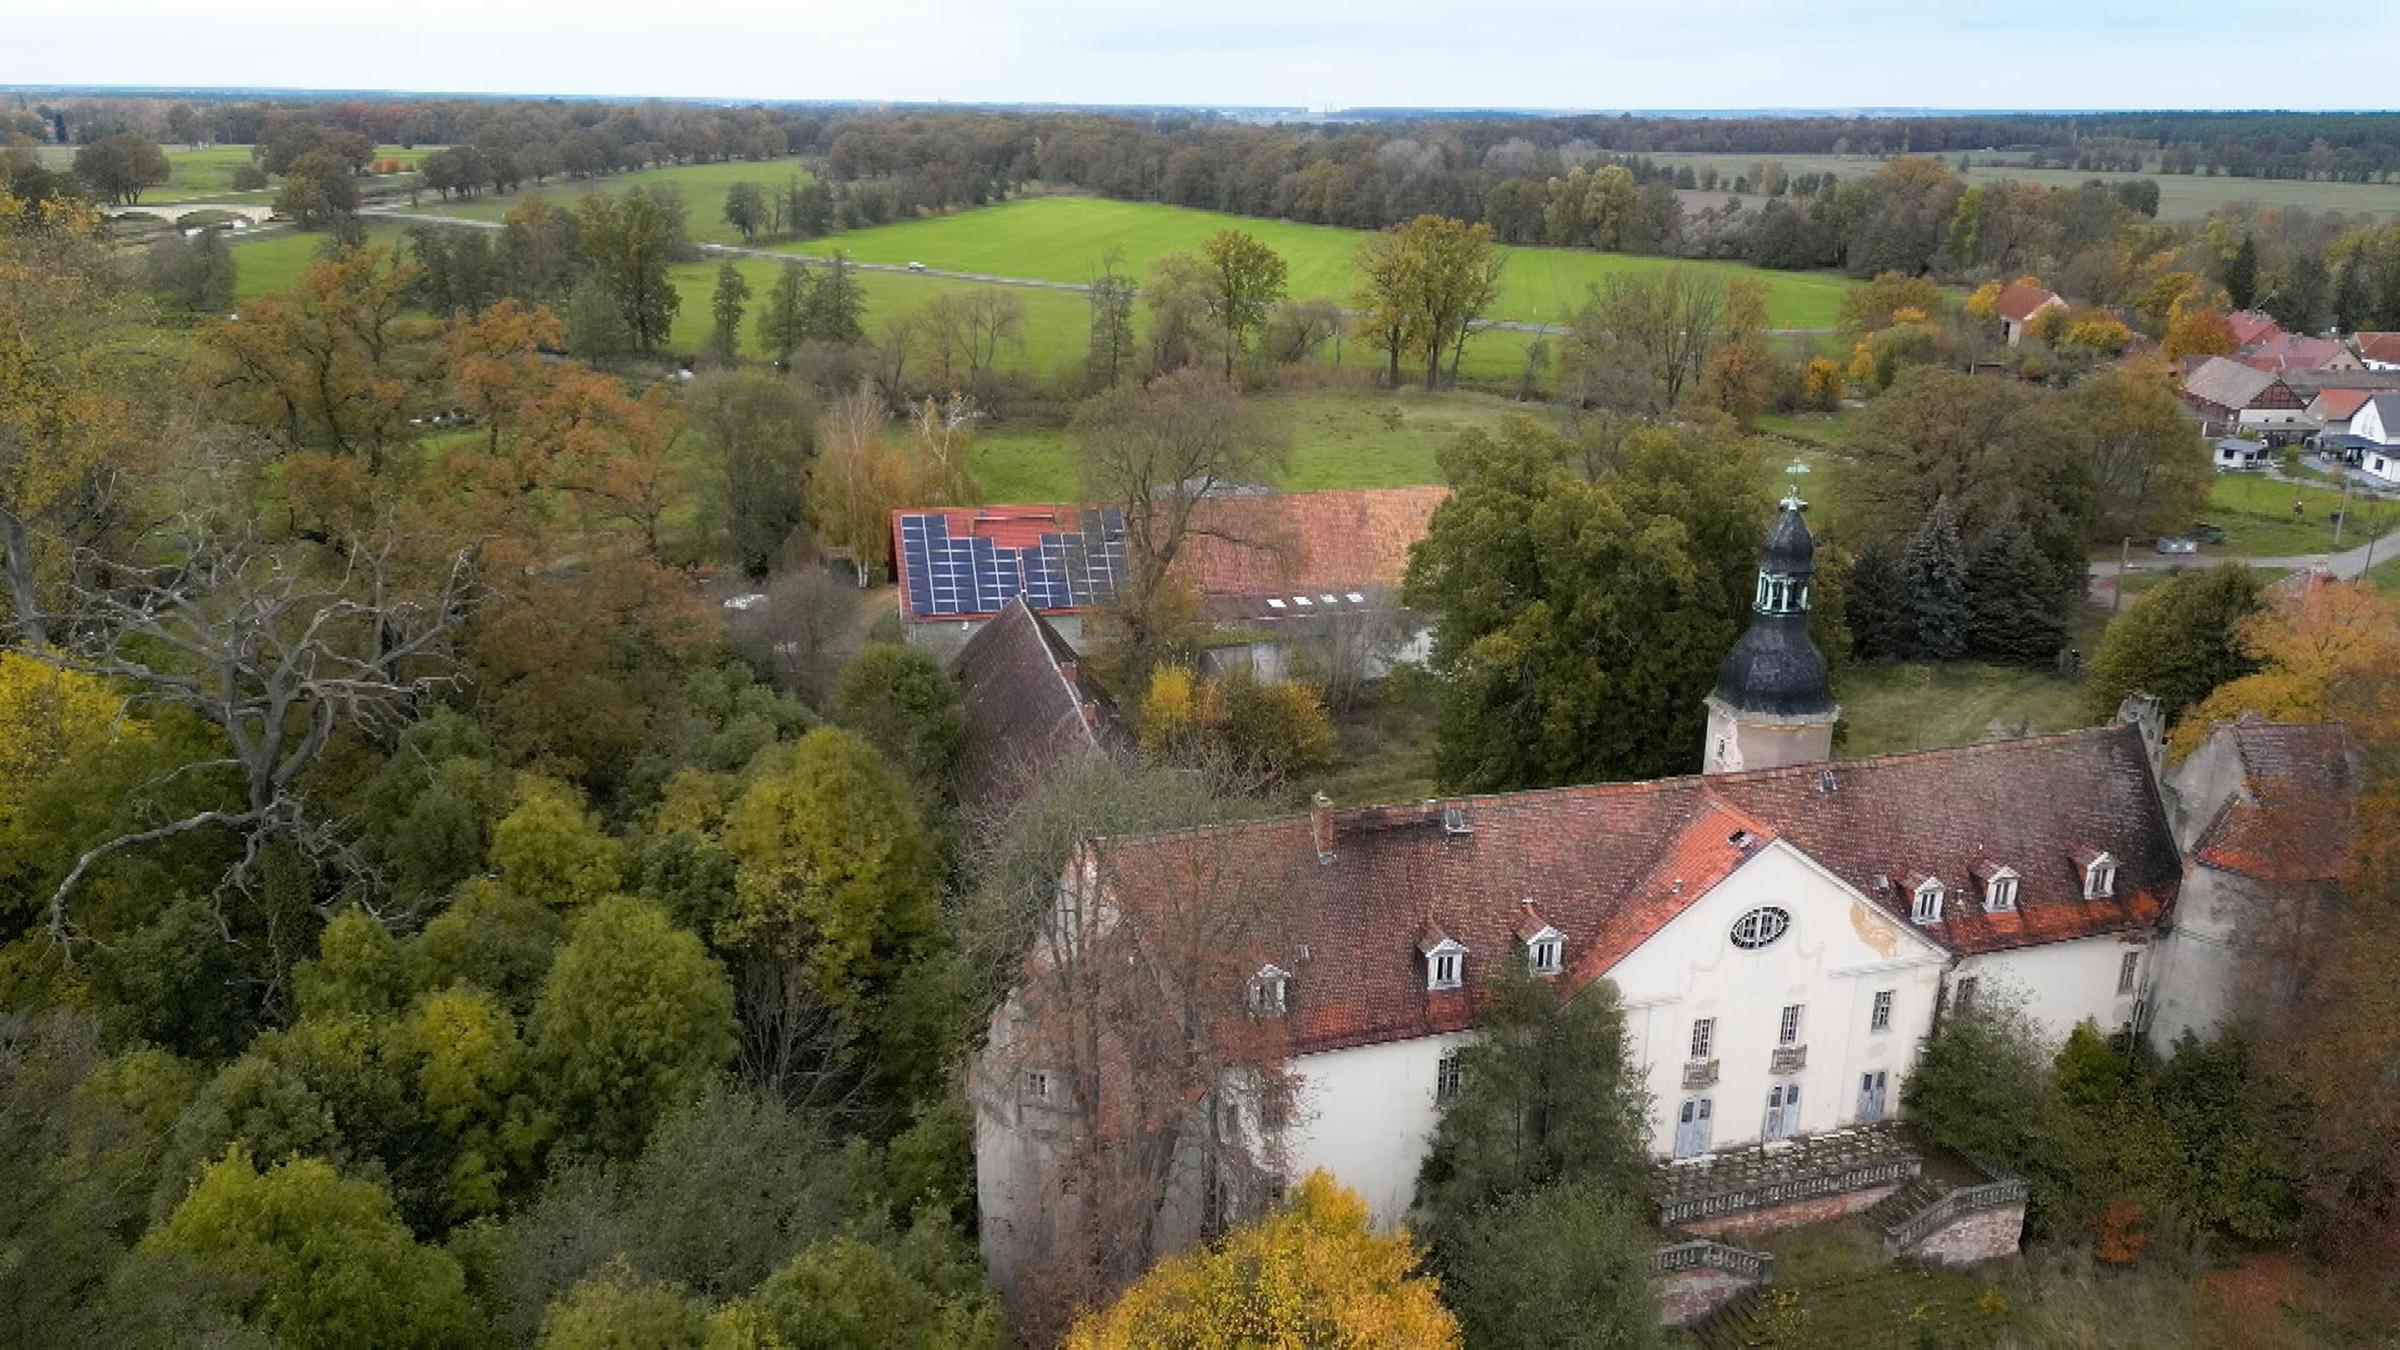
1783	930
2019	304
2375	427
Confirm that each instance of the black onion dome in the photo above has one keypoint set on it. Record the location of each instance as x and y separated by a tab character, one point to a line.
1789	550
1775	669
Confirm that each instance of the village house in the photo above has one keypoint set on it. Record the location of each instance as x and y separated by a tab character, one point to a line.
2377	351
2287	352
2375	432
1783	931
2249	327
2019	304
2231	397
1281	576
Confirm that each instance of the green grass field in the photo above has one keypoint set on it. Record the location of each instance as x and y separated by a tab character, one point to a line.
1355	439
2256	513
1062	239
206	174
702	185
2181	196
1887	709
273	262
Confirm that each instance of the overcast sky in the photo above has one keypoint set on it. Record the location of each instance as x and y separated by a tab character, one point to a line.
1299	53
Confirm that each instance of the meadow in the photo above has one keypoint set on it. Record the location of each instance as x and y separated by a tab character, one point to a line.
205	173
702	185
1062	238
2181	196
1339	439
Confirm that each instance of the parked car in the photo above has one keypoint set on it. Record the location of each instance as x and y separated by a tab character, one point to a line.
2207	533
2177	544
916	267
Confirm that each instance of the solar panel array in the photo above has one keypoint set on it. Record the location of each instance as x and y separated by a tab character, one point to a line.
959	575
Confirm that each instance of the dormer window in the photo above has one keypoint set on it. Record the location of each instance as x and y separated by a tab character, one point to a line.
2000	891
1544	951
1445	965
1928	905
2100	877
1267	989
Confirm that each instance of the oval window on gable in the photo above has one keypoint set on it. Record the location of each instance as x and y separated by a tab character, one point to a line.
1759	927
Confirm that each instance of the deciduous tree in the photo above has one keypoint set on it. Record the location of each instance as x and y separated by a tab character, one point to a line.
725	313
121	167
1309	1274
2179	641
1246	278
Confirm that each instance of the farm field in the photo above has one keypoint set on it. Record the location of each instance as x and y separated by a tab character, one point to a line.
1057	323
1062	238
273	262
206	173
702	185
1339	439
2181	196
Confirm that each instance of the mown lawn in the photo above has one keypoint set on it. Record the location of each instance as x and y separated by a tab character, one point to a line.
2257	515
1062	238
1354	439
702	185
206	174
271	262
1887	709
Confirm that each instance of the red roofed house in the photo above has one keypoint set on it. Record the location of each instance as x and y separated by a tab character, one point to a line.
2377	351
2292	351
2230	396
2019	304
1279	572
2250	326
1782	931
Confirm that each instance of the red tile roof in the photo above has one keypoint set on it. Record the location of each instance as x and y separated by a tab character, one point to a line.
2290	351
2291	821
2020	301
2340	403
1289	542
1609	865
2383	347
2250	326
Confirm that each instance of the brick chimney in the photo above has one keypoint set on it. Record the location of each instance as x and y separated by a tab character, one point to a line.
1320	826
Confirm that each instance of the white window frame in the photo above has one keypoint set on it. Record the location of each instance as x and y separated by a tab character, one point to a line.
1037	1084
1270	989
1545	952
1446	1077
1787	1027
2129	972
1446	965
1704	1039
2100	878
2000	892
1879	1013
1927	907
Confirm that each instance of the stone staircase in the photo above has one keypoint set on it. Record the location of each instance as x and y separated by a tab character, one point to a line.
1906	1203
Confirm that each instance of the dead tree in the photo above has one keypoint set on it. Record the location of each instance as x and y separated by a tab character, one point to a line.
276	655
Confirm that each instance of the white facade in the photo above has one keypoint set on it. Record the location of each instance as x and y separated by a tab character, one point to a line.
1365	1114
2063	983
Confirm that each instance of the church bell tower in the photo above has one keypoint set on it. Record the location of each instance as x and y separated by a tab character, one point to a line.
1773	706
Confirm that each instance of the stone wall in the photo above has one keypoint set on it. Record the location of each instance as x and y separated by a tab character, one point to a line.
1689	1295
1979	1236
1775	1217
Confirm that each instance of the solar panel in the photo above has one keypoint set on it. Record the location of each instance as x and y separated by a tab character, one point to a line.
969	573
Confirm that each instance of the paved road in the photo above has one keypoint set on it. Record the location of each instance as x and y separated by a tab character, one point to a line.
984	278
2349	564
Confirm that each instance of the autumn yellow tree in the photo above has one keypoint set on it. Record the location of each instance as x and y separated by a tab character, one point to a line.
1311	1274
859	479
46	714
2331	653
2198	332
67	437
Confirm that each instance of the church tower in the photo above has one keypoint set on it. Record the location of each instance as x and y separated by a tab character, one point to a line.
1772	706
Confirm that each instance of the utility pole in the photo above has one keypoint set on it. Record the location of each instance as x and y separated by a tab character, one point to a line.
2342	514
